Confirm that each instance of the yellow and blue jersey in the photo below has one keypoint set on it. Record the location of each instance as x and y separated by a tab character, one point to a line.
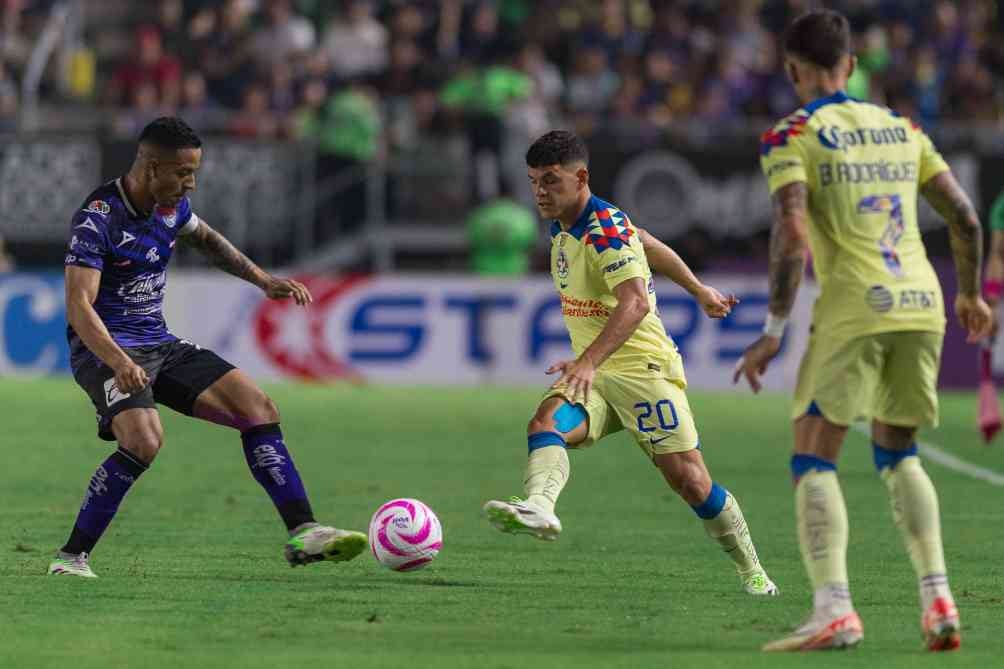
588	261
863	165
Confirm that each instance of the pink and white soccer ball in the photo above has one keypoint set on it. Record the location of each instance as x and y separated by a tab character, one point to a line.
405	535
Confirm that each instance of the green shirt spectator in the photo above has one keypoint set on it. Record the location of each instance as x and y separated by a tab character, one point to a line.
486	91
997	213
502	234
348	126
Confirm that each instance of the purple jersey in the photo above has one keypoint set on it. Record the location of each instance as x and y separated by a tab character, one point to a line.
131	250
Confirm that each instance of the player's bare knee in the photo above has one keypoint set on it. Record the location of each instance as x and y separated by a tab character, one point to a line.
893	437
539	424
694	488
144	443
259	410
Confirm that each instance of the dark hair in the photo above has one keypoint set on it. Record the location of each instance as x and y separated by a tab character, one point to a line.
170	132
558	147
821	37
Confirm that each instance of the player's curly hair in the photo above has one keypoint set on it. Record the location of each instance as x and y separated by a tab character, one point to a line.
821	37
170	132
558	147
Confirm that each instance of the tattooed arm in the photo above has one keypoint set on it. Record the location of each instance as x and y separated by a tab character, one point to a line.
787	247
225	255
945	194
787	264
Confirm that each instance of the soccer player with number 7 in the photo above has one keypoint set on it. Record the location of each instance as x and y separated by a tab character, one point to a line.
627	374
844	176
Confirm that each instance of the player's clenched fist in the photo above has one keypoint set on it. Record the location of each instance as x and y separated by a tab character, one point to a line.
131	378
280	289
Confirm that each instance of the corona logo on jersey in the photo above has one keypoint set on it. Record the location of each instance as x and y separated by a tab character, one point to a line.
835	138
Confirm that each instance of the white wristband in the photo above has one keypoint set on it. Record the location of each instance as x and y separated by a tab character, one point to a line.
774	326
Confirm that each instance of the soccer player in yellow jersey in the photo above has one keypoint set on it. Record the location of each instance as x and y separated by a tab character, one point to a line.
628	374
844	177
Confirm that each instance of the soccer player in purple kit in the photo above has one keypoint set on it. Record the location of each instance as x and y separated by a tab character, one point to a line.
125	358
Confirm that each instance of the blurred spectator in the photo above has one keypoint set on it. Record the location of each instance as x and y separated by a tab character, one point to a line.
254	120
480	39
549	85
501	234
348	131
591	83
147	66
482	96
197	108
6	260
8	101
356	43
227	53
285	36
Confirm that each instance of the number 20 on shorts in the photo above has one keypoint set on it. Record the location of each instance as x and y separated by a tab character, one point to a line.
663	411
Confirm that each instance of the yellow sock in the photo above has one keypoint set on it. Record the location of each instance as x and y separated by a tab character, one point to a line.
822	535
729	529
546	474
915	511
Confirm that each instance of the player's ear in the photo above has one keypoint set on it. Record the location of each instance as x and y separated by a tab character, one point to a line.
852	63
792	71
582	177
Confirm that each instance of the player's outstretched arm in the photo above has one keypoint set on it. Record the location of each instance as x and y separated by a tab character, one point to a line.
632	307
81	290
788	246
225	255
948	198
667	262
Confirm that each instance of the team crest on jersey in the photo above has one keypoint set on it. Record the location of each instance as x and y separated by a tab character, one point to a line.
98	207
169	215
153	255
561	265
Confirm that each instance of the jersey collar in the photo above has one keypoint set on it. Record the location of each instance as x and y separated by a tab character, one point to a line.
581	223
125	199
835	99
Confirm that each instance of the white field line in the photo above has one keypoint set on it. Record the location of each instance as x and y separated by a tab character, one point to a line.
935	453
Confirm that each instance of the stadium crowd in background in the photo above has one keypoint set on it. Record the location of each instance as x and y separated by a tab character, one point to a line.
436	82
288	68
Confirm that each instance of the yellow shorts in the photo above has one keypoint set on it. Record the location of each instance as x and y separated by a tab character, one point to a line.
891	377
651	405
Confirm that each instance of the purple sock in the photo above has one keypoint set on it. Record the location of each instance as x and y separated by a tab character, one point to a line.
109	485
272	466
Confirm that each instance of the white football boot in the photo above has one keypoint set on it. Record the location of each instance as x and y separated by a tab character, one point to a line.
313	543
518	516
68	564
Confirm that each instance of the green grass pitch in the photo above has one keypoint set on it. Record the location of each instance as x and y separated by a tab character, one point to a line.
192	573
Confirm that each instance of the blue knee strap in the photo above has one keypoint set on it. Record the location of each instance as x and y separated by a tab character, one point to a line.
802	464
542	439
885	457
714	504
568	417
